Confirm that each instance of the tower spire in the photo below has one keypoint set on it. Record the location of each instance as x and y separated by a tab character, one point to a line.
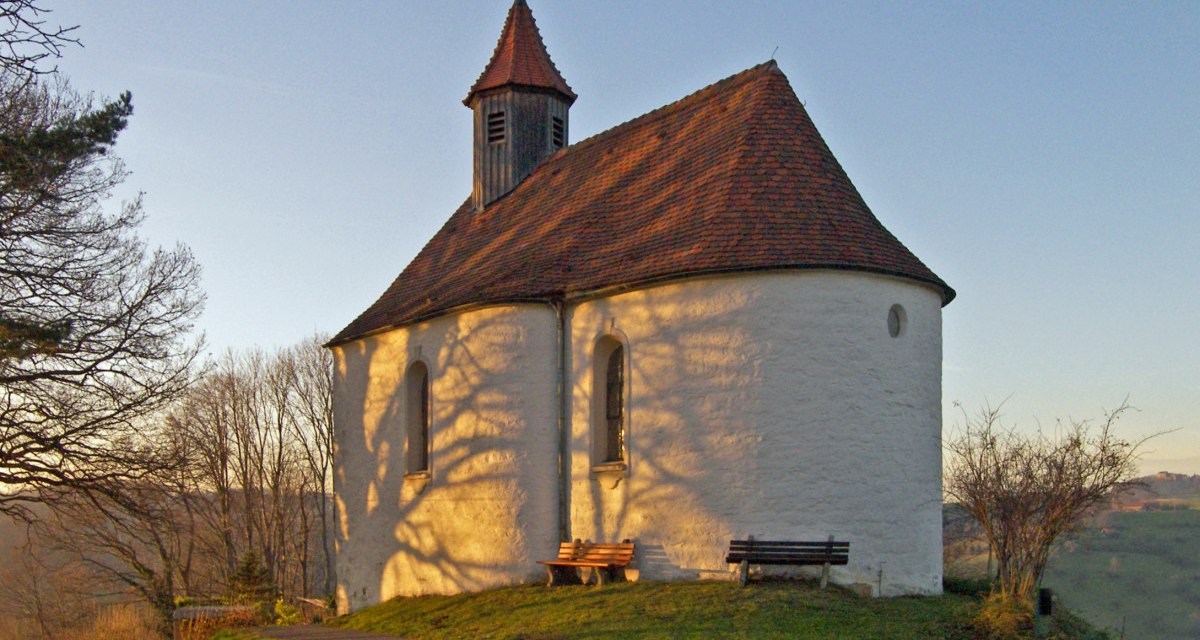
521	104
520	59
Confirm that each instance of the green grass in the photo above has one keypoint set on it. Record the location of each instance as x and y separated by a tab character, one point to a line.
662	610
1134	570
648	610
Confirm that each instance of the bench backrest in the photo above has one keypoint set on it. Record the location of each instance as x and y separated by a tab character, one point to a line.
614	552
789	552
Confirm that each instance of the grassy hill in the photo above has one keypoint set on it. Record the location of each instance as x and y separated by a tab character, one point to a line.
1137	569
1162	490
651	610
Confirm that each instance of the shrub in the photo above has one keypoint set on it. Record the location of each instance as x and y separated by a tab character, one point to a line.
286	613
1005	618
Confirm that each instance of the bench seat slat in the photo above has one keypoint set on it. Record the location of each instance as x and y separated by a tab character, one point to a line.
782	560
593	558
787	543
794	552
582	563
806	557
776	544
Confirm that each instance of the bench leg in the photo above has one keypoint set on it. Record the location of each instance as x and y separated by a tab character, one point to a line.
562	575
744	572
825	575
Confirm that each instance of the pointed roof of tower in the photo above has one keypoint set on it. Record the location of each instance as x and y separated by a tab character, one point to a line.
520	59
732	178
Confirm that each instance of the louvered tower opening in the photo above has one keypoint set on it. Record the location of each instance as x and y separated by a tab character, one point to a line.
495	127
521	105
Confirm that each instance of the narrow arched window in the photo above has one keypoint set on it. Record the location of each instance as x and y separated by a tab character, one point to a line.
614	406
418	418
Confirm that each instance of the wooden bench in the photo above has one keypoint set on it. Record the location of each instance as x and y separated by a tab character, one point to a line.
785	552
605	558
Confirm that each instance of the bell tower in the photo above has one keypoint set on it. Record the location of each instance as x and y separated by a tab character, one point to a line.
520	105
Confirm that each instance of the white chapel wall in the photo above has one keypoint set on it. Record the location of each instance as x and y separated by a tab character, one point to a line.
489	510
775	405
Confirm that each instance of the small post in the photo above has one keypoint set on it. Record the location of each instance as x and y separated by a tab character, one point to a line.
744	565
1044	611
828	557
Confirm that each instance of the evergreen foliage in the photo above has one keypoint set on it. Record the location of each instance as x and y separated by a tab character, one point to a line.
93	324
251	583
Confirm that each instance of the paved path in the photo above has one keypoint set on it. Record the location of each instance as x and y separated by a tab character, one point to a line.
307	632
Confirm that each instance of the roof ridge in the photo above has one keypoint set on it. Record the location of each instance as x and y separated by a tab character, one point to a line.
648	118
744	145
666	110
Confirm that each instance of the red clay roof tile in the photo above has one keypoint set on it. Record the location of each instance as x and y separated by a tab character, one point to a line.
733	177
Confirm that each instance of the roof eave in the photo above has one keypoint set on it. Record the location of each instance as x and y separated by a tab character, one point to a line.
947	293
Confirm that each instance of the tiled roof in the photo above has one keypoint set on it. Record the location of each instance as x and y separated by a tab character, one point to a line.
520	58
733	177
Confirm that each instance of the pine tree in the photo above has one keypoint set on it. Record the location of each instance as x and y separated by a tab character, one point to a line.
93	324
251	583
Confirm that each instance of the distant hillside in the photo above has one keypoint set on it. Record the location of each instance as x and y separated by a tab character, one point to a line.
1139	570
1162	490
1135	565
13	531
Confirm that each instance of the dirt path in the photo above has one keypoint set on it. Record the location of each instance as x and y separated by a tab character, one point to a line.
319	633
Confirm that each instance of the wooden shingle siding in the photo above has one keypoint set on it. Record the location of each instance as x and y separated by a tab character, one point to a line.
527	138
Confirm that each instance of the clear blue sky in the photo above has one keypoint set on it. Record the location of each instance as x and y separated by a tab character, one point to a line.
1043	158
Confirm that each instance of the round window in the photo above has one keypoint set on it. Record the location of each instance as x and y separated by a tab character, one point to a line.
896	321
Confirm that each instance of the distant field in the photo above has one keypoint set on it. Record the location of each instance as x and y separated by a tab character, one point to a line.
1174	503
1137	569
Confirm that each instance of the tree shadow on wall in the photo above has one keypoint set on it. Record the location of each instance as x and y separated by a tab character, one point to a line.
468	528
691	372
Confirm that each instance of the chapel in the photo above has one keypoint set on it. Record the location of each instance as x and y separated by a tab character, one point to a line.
685	329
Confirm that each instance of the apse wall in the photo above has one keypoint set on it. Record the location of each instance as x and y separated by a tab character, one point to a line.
778	405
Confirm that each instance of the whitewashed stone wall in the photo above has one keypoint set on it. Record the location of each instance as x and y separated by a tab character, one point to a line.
770	404
490	508
775	405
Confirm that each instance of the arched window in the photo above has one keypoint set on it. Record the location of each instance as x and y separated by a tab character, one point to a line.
614	406
417	424
610	421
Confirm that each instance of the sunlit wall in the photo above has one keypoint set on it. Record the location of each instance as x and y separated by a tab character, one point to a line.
776	405
486	509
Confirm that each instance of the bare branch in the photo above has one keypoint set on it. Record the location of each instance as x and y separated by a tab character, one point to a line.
26	39
1027	491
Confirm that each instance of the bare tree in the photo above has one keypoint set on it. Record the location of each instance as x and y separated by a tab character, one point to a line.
259	426
138	538
93	324
26	39
1027	491
312	422
203	419
40	589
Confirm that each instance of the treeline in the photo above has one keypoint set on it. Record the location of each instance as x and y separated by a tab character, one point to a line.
257	436
242	476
